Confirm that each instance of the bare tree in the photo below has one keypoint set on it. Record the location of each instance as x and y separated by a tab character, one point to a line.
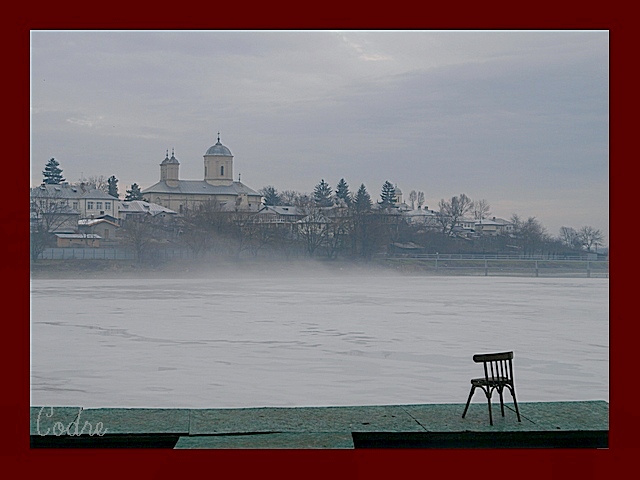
340	226
313	228
451	211
442	217
529	234
99	182
368	231
243	233
481	209
201	226
420	199
413	198
265	235
569	237
138	233
589	237
289	197
49	211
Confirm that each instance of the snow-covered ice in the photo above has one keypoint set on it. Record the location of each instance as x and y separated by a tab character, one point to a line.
312	339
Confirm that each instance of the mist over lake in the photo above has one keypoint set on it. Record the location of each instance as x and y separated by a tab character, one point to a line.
312	337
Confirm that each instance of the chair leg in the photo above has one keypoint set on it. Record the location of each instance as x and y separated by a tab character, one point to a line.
515	402
490	415
501	401
473	389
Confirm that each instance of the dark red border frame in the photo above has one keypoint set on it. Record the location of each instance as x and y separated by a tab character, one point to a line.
143	464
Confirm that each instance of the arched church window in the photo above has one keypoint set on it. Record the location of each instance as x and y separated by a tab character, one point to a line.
222	170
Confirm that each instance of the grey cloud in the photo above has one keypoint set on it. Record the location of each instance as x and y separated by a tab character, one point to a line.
502	115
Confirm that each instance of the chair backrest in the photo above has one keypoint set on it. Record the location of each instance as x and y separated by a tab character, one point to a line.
496	365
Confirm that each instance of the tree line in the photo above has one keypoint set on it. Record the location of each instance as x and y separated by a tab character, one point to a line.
52	175
340	224
334	223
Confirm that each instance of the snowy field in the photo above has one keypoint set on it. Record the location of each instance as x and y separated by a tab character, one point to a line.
303	339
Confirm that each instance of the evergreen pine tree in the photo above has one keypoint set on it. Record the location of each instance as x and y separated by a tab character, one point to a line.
342	191
322	194
133	193
388	195
52	174
271	196
112	183
362	200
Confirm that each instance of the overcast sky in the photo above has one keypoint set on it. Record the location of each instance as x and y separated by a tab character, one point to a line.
519	118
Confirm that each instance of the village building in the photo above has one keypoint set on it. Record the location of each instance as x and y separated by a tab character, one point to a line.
106	229
484	227
422	216
79	240
139	208
82	199
217	185
278	214
493	226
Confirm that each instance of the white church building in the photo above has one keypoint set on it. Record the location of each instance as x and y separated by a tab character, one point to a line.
217	184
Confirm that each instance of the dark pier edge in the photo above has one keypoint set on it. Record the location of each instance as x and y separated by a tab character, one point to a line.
105	441
571	439
450	440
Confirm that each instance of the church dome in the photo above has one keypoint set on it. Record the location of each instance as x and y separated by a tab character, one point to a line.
219	149
168	160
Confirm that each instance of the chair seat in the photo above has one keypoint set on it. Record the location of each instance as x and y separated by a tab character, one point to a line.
495	381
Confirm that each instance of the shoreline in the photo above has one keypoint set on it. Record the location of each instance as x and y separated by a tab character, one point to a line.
85	268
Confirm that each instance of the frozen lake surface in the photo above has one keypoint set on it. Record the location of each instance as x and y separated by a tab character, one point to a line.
312	339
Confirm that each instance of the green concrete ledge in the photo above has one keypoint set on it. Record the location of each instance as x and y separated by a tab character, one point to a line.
302	419
269	441
544	424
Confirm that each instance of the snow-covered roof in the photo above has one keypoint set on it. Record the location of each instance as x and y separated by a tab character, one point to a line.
200	187
281	210
91	236
420	212
89	222
140	206
67	191
407	246
493	221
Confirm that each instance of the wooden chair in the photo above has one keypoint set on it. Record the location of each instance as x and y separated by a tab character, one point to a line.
498	374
